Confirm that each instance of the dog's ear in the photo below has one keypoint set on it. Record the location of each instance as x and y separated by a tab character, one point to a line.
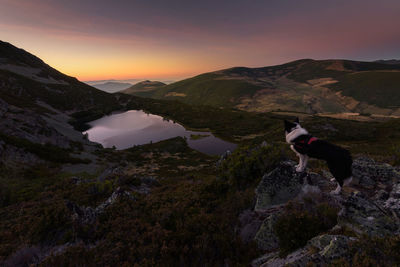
297	120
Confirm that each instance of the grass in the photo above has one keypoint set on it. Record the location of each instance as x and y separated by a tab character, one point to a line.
198	136
208	89
47	151
376	88
189	217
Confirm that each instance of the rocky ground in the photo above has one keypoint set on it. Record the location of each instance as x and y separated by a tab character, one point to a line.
368	208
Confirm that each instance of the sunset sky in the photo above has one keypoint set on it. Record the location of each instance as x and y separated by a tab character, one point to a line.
174	39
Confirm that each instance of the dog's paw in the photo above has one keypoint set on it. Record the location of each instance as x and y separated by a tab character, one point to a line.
337	191
299	168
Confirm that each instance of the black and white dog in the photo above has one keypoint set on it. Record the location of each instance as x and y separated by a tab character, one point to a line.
305	145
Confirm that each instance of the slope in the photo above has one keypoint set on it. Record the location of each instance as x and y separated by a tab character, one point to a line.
311	86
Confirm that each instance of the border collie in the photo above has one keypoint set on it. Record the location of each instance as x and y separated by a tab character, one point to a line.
305	145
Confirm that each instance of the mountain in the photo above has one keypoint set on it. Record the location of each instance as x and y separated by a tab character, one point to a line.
112	87
65	201
144	88
311	86
389	61
25	77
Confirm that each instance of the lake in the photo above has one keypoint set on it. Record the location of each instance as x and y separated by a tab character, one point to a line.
135	127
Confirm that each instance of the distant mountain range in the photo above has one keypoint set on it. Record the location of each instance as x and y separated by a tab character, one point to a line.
312	86
112	87
389	61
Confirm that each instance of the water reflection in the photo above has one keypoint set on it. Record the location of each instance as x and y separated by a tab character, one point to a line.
134	127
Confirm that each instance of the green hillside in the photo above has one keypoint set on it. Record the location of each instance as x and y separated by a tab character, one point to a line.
144	88
374	87
207	89
303	86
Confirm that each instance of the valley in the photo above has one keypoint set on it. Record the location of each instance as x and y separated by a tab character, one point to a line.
68	201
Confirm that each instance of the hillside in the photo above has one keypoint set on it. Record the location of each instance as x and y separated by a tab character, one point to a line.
66	201
144	88
311	86
24	77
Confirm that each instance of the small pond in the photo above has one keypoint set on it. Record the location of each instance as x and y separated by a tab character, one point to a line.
135	127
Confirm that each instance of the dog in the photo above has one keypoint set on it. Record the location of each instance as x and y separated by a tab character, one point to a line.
305	145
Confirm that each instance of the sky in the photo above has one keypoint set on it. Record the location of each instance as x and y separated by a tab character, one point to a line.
174	39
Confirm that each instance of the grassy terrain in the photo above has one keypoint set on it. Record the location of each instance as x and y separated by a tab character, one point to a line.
47	152
189	217
378	88
284	85
208	89
176	207
62	97
144	88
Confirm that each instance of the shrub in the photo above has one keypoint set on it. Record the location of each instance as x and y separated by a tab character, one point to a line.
245	165
302	221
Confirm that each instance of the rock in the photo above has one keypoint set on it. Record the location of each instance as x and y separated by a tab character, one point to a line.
265	237
381	195
278	186
364	216
222	158
393	202
320	250
249	224
88	215
368	172
331	247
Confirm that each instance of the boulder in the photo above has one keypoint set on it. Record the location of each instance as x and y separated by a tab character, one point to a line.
368	172
265	237
278	186
393	202
362	215
320	251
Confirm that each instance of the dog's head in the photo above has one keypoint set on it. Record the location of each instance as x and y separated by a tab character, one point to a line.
291	126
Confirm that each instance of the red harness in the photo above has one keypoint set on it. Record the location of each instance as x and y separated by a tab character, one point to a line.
302	146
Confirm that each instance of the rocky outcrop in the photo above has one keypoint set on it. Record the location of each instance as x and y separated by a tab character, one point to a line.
319	251
265	237
278	186
87	215
370	174
370	208
364	216
393	202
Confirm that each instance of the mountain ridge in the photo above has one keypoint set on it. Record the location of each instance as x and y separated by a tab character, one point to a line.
306	85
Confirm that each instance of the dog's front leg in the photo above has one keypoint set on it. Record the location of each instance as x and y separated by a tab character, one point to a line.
305	161
297	154
302	163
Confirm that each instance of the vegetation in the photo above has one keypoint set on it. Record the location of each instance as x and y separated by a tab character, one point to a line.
207	89
376	88
198	136
248	163
47	152
368	252
144	89
302	221
189	210
227	88
171	205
